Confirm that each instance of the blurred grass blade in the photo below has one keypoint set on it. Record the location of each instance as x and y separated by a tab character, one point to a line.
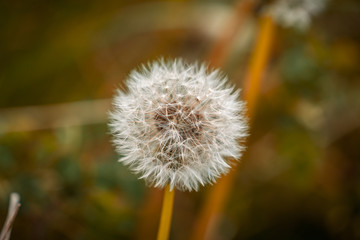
34	118
220	50
13	209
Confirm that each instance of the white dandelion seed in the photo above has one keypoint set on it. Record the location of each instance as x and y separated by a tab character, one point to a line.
178	124
295	13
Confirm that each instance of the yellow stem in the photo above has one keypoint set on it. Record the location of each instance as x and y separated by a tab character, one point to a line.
258	62
166	213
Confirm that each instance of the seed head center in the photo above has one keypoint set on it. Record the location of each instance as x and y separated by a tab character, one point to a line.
181	119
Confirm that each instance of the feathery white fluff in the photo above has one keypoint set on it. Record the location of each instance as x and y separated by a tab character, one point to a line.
295	13
178	124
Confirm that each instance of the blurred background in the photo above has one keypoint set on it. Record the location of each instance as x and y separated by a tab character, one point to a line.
61	61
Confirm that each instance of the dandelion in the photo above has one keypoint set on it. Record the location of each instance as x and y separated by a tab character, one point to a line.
295	13
179	124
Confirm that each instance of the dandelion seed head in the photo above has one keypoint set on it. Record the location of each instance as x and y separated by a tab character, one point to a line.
178	124
295	13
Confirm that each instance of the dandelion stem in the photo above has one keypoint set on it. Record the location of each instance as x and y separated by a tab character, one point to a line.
166	213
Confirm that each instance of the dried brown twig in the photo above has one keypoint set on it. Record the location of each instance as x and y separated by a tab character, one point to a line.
13	210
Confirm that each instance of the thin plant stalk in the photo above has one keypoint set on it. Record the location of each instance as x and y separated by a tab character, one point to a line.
206	223
220	51
14	206
209	214
166	213
258	62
